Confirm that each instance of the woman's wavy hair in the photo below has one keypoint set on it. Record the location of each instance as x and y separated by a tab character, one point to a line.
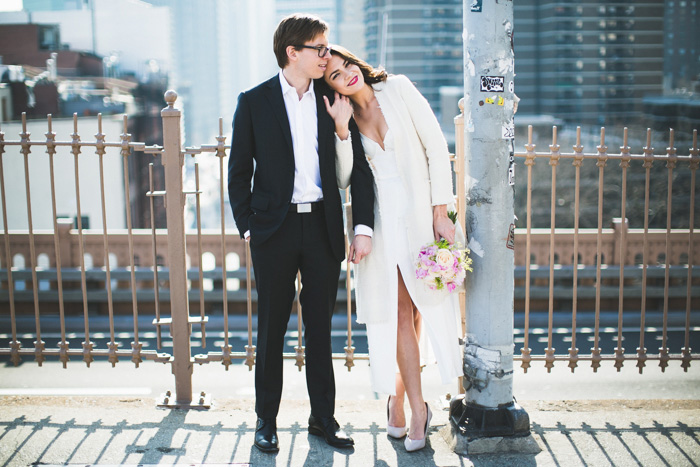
371	75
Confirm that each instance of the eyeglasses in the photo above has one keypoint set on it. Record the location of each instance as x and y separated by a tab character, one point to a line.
321	49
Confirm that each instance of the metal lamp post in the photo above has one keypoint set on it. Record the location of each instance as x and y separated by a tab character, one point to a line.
488	410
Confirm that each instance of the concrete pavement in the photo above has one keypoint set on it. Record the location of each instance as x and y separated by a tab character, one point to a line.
113	430
598	425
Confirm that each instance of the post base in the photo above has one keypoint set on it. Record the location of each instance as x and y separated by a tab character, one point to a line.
200	402
474	429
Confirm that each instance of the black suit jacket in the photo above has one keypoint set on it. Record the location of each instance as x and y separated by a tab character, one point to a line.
262	152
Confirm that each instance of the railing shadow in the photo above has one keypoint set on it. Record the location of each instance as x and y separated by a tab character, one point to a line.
182	436
619	445
169	441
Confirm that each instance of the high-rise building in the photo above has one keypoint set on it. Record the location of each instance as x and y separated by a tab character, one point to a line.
351	27
345	19
418	38
328	10
681	44
221	47
54	5
588	62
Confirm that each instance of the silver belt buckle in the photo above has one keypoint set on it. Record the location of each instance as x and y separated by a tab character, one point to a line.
303	207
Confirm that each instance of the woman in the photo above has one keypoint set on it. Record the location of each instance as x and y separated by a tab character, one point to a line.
409	159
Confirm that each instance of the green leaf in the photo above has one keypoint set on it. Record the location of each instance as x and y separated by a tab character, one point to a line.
453	216
442	243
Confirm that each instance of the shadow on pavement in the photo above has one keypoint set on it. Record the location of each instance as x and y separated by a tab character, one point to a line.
68	430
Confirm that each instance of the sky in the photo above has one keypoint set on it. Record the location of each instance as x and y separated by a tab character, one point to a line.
10	5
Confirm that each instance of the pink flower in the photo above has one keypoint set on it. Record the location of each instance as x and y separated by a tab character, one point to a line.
440	265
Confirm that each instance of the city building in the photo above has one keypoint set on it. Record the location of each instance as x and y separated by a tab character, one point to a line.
44	75
422	40
113	29
331	11
54	5
679	110
5	102
351	27
681	44
220	48
33	44
588	62
64	176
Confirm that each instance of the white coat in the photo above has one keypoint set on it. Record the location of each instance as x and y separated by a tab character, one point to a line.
424	168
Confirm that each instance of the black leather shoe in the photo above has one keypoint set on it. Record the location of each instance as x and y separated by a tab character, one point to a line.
329	429
266	435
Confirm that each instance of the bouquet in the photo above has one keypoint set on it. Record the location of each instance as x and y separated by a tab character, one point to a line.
443	266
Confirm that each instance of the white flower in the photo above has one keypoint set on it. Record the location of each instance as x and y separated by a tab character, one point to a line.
444	258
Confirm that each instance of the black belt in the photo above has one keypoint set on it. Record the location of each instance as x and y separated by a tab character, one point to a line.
305	207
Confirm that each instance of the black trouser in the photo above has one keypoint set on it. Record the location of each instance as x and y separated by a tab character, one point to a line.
301	244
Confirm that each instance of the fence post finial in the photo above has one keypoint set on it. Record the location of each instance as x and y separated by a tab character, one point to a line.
170	98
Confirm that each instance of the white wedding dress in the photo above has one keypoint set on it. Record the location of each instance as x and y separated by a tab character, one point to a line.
390	240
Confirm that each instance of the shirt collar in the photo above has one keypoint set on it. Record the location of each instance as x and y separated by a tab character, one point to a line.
286	87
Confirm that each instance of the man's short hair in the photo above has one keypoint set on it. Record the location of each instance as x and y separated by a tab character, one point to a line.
296	29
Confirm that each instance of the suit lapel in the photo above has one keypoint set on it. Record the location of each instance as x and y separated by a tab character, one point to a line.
325	124
274	96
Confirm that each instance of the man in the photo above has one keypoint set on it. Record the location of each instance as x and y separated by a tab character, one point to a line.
283	139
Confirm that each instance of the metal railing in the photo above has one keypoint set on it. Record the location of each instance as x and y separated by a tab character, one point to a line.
587	267
622	255
88	352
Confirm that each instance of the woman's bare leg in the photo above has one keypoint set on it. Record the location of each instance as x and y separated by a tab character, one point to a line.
408	358
397	415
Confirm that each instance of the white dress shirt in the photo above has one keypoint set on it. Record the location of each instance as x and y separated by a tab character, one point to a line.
303	122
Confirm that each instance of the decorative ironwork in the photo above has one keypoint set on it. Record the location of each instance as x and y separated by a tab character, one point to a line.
541	246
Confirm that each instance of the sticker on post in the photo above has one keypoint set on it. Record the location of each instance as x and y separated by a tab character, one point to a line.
500	100
511	174
476	6
492	83
508	131
510	243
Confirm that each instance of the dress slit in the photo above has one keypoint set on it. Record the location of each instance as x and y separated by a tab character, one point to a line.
393	236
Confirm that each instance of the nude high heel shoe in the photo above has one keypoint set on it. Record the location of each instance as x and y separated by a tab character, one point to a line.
397	432
418	444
